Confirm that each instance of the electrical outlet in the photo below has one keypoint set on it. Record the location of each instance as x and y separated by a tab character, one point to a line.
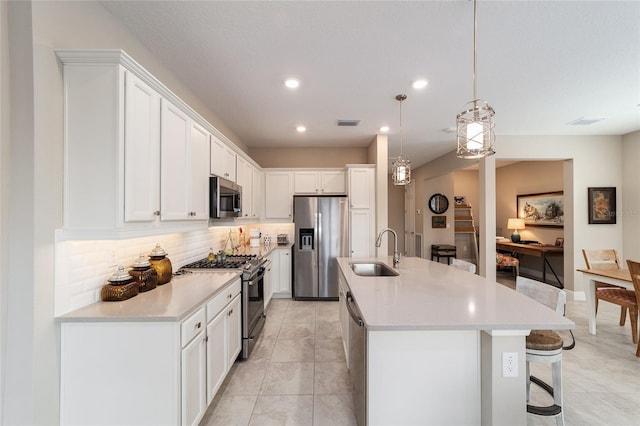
509	364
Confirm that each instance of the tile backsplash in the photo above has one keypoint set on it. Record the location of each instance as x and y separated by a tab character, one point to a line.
83	267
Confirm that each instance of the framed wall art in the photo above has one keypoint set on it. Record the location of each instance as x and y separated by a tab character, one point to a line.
543	209
438	221
602	205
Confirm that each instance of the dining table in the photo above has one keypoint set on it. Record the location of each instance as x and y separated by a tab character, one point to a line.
619	277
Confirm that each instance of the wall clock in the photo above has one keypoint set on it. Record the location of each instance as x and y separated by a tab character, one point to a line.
438	203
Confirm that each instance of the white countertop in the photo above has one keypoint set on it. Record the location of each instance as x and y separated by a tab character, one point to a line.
433	296
173	301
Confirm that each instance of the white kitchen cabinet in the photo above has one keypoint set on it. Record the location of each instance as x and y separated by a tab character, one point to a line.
154	371
138	175
223	160
245	180
193	369
268	281
224	336
256	185
279	195
319	182
281	272
141	151
362	221
199	173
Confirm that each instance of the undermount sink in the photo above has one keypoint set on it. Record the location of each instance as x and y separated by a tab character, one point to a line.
372	269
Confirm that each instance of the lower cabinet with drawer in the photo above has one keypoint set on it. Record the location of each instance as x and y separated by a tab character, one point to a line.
148	372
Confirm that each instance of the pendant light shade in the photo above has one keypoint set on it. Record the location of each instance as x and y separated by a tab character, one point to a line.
401	167
475	124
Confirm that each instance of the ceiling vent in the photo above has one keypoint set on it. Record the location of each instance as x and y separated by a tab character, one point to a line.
348	123
585	121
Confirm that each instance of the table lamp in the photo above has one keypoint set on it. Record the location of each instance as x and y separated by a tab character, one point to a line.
515	224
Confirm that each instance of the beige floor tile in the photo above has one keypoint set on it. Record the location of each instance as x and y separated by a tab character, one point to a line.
274	410
331	378
288	378
327	311
230	411
328	329
263	350
297	330
296	350
246	379
329	350
294	316
333	410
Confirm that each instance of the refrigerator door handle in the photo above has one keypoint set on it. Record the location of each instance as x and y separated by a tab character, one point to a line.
319	251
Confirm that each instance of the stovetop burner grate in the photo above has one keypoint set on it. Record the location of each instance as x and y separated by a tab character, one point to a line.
231	262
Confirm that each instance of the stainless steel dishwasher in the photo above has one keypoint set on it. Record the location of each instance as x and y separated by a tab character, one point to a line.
358	360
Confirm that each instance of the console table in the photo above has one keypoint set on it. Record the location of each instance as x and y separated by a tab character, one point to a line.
538	250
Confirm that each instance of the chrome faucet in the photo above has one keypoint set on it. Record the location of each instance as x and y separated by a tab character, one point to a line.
396	255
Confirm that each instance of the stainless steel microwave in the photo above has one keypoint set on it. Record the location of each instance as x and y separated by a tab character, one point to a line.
225	198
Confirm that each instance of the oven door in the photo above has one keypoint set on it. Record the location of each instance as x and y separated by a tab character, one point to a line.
253	317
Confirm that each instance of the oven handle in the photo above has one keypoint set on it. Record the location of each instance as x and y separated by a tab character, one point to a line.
355	316
258	277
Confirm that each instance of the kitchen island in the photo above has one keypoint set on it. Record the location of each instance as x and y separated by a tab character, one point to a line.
435	338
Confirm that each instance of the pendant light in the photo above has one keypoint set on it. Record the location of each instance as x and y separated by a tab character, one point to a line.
475	124
401	167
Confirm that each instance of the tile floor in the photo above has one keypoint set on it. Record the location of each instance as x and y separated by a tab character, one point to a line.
297	375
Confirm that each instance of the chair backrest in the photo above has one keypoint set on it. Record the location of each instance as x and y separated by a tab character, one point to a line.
601	259
634	270
548	295
463	264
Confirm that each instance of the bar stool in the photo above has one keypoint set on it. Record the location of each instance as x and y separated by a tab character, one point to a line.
545	346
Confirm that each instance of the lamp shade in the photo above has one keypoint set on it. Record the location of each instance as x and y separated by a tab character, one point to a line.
515	223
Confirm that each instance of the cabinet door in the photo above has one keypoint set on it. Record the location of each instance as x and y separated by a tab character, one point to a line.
194	381
278	195
268	281
141	151
306	182
244	179
361	188
176	132
285	271
216	354
256	186
199	174
234	330
332	182
361	233
230	169
217	157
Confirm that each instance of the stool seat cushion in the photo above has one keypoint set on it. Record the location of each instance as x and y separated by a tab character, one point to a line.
544	340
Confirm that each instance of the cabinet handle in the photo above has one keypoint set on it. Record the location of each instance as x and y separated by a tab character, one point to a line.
199	324
229	296
230	312
206	338
156	213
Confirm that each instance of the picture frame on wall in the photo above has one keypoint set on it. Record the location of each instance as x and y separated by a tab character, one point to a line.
559	242
542	209
438	221
602	205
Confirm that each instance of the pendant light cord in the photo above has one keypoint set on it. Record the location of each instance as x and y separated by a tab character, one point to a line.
401	98
475	53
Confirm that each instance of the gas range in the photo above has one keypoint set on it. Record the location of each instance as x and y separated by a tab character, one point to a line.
249	263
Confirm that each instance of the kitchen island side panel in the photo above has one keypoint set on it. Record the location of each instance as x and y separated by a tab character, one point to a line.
424	377
120	373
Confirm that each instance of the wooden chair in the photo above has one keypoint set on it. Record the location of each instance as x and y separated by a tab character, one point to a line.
608	259
545	346
634	269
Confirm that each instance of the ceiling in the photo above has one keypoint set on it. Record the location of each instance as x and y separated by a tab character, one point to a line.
541	65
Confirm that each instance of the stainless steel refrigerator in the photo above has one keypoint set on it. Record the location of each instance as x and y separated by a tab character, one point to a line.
321	235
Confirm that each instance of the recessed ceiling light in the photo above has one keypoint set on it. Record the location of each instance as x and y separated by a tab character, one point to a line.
419	84
384	128
292	83
301	129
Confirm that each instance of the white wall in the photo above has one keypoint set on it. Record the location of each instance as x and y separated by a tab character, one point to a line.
629	208
437	185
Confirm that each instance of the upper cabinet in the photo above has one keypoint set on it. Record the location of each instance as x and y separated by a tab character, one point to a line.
245	180
319	182
362	216
223	160
278	203
136	156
